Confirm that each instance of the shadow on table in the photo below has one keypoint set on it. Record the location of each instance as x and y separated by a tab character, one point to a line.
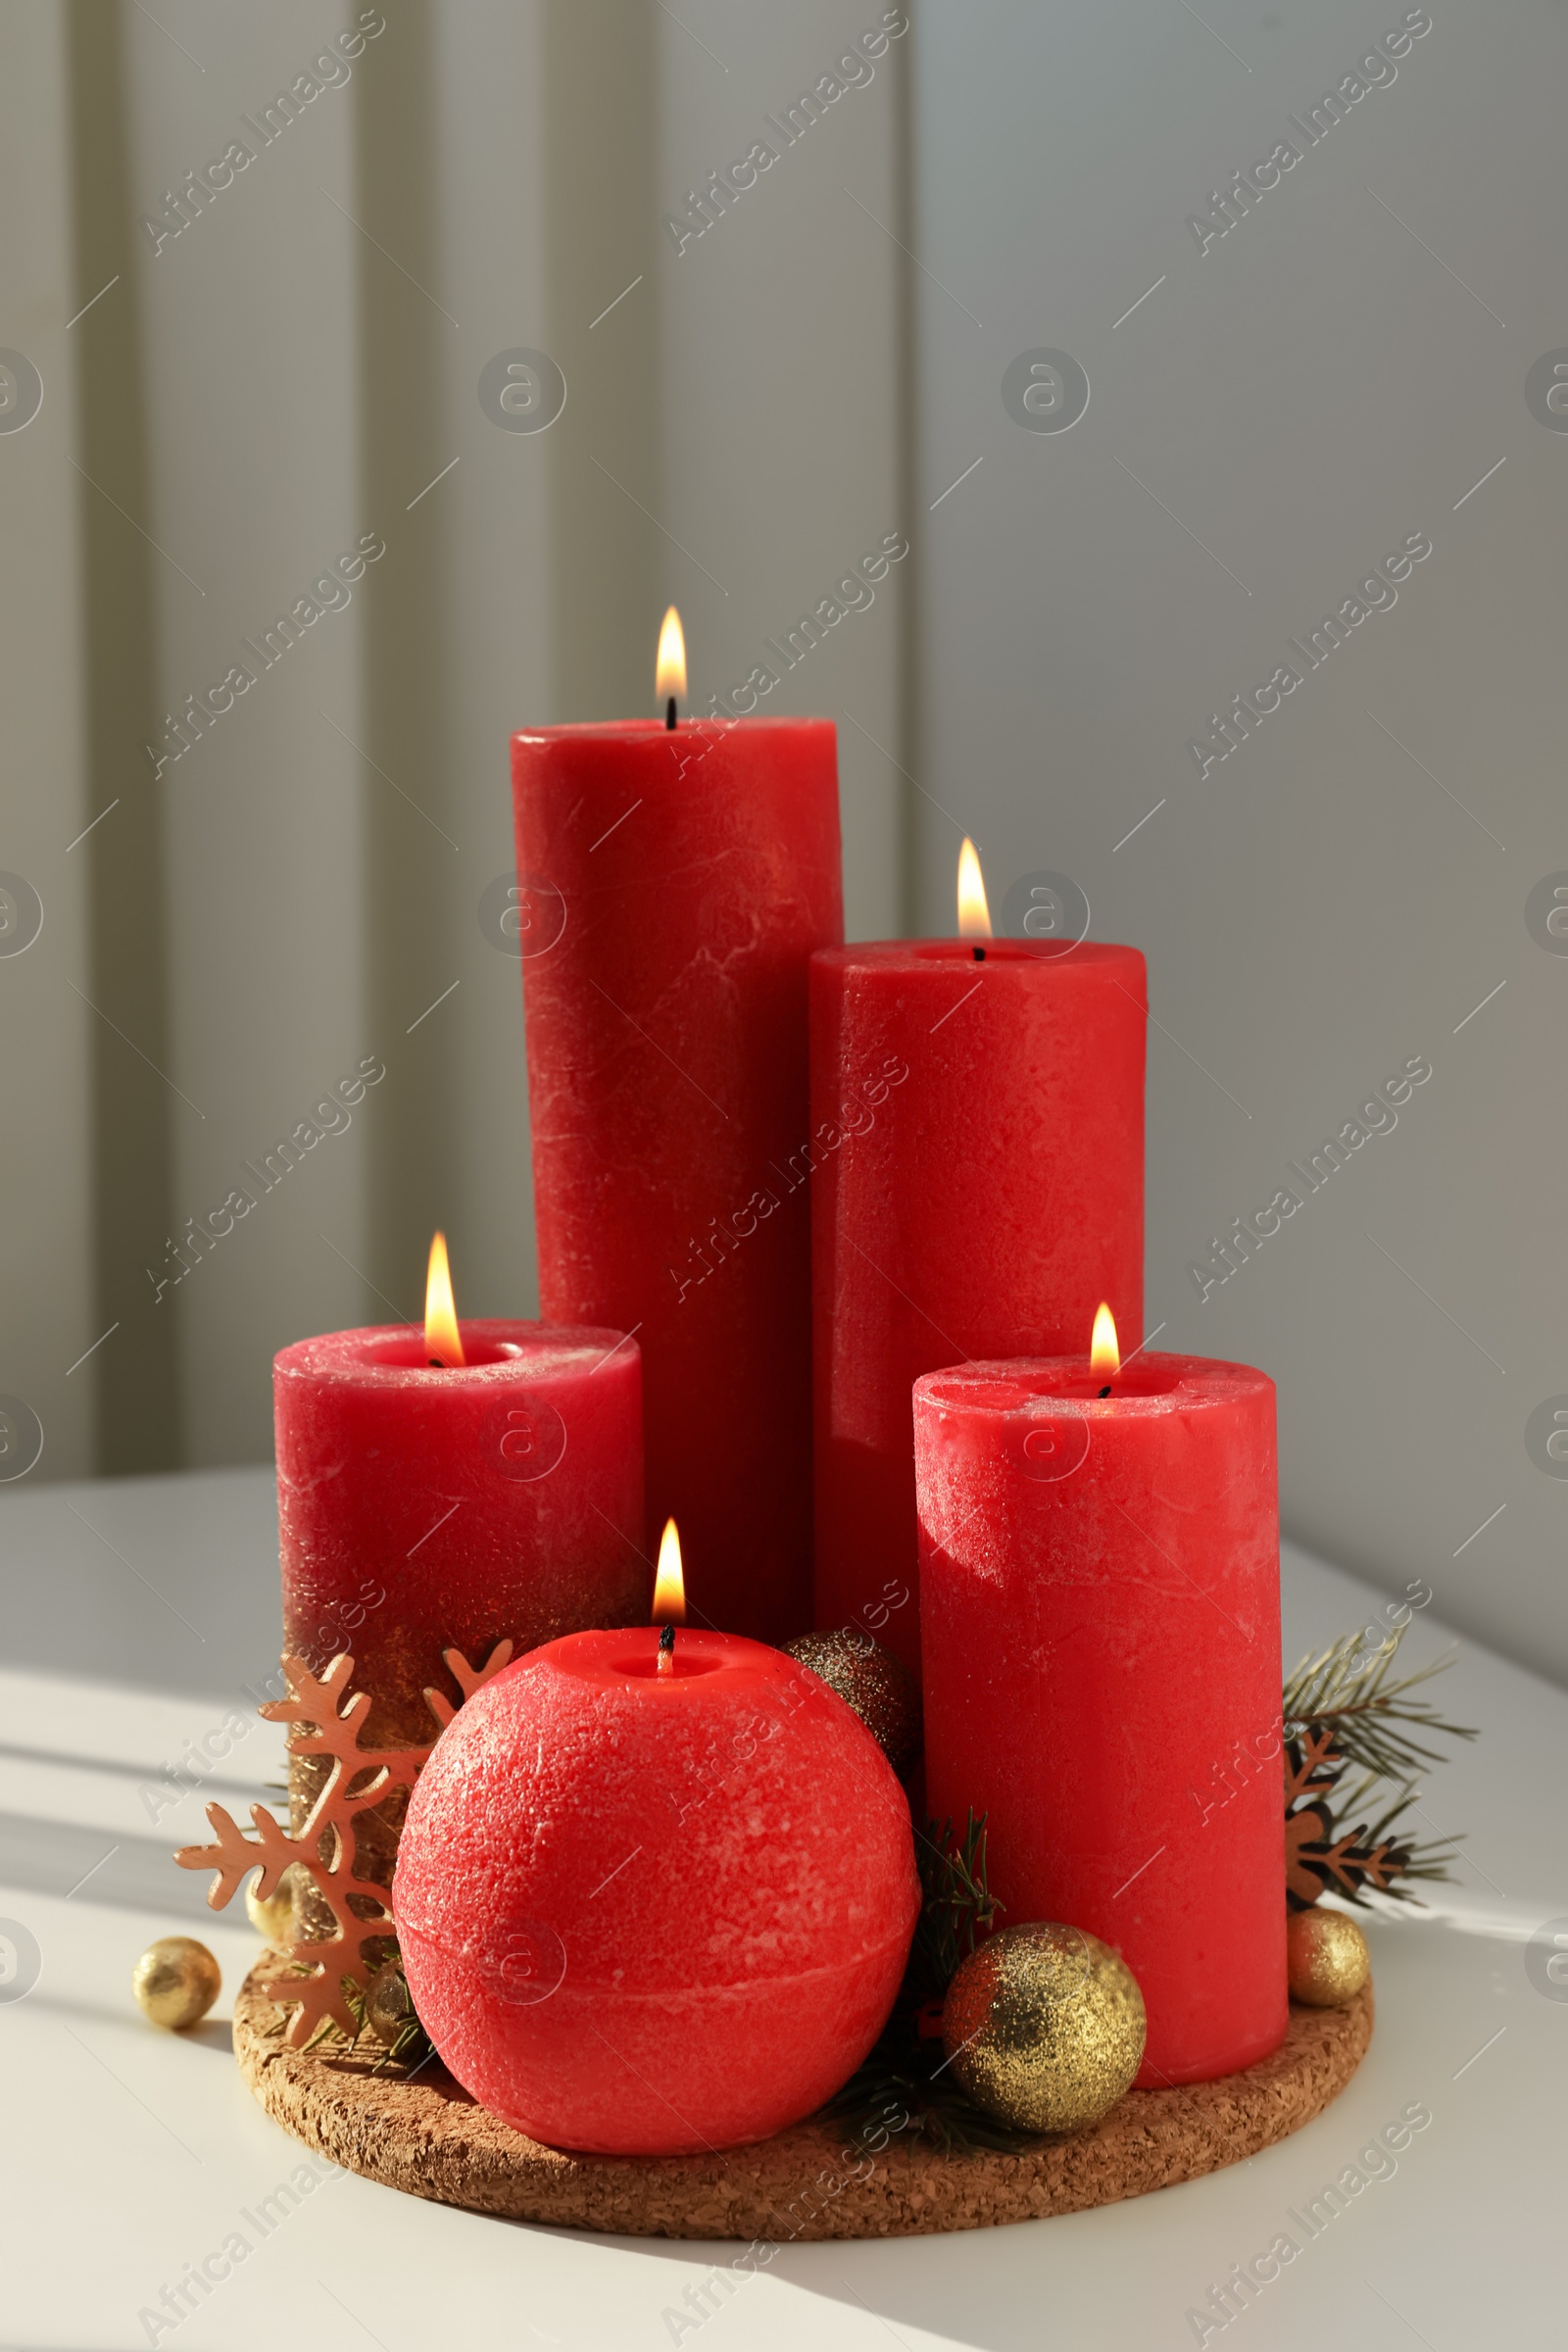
133	1874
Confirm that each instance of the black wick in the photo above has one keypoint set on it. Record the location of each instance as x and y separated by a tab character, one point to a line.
667	1640
669	712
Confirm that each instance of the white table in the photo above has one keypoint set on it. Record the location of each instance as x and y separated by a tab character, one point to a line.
134	1613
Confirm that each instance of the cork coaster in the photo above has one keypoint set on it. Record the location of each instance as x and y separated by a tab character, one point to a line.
426	2135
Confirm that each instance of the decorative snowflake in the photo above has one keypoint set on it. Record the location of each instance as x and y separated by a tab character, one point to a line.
331	1725
1315	1855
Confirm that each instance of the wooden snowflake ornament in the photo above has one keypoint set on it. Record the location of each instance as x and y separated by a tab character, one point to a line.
330	1717
1318	1856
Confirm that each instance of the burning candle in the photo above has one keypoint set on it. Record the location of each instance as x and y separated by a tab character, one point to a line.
655	1889
452	1487
977	1145
676	876
1099	1594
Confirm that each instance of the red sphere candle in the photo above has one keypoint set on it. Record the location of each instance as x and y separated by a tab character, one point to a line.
648	1912
1100	1591
977	1134
424	1507
674	882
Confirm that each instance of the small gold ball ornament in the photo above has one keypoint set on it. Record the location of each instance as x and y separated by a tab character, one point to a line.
1044	2026
388	2004
872	1683
1326	1959
176	1980
273	1915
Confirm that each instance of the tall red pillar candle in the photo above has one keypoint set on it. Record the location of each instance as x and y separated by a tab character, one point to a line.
1100	1588
656	1912
429	1507
675	882
977	1137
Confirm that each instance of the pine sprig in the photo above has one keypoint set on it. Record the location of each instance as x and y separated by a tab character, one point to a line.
1364	1706
1340	1712
958	1909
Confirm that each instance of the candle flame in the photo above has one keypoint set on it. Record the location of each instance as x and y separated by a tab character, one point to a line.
443	1344
669	678
1104	1356
670	1585
974	915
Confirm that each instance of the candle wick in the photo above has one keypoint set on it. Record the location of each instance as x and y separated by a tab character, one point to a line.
1106	1391
666	1650
669	712
979	954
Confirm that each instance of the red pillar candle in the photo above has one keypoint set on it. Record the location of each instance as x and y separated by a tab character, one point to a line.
649	1913
675	882
977	1133
422	1508
1099	1589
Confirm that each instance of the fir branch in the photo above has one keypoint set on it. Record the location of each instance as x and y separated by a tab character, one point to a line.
904	2086
957	1910
1343	1710
1366	1708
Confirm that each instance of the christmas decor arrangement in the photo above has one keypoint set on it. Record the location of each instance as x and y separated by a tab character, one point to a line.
629	1927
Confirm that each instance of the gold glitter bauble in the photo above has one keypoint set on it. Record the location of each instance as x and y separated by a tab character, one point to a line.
1326	1959
872	1683
388	2004
1044	2026
176	1980
273	1918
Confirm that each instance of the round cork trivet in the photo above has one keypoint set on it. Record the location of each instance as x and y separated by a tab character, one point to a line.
426	2135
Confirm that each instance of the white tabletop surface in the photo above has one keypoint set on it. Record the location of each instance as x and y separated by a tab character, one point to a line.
135	1611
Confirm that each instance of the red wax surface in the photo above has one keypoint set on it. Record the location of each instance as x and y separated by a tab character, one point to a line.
646	1914
980	1204
424	1510
1099	1585
674	883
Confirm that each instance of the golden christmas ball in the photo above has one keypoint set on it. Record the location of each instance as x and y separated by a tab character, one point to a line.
872	1683
388	2003
1043	2027
272	1916
176	1980
1326	1959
